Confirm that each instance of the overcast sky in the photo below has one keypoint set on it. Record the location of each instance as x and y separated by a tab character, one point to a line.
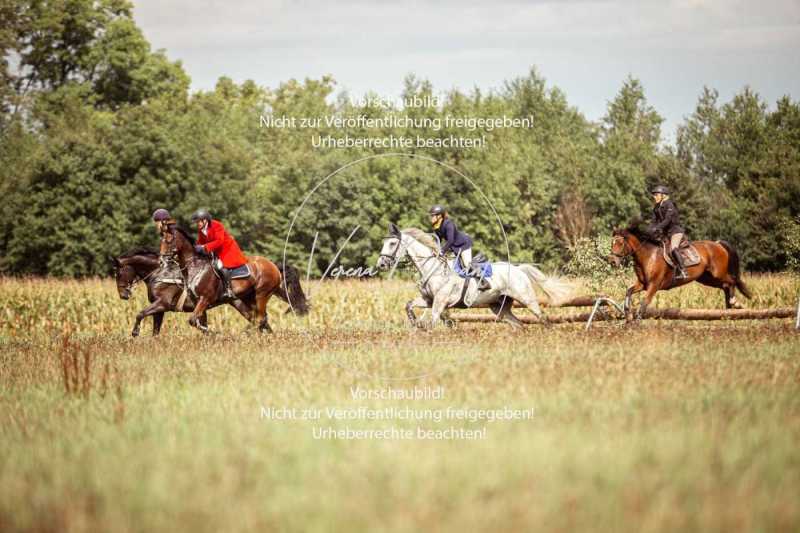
586	48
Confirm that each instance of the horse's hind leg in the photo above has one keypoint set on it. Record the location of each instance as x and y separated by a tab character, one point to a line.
261	313
503	312
730	297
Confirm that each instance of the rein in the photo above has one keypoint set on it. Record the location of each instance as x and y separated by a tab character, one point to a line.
425	258
629	247
131	284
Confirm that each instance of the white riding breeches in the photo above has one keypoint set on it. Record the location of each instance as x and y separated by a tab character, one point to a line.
466	257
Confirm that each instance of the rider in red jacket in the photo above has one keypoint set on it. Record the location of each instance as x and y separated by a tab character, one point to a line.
213	238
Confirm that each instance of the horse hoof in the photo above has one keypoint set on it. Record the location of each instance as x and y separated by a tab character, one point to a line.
450	323
134	333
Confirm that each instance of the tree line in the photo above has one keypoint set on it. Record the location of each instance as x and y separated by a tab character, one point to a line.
97	130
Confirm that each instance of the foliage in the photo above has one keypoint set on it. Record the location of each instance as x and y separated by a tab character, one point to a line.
790	229
97	131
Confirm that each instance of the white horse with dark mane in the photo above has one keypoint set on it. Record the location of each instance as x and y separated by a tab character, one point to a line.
442	288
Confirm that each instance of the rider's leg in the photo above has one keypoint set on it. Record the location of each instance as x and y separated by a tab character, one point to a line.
473	270
674	246
466	258
226	278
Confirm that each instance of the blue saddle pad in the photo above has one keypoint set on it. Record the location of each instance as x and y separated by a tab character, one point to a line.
486	269
240	272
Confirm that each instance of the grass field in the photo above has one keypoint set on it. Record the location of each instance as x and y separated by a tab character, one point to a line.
666	426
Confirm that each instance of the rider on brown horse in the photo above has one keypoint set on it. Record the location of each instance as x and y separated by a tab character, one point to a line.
666	226
162	218
213	238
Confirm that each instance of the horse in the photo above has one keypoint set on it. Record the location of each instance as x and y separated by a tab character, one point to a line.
718	267
164	288
441	288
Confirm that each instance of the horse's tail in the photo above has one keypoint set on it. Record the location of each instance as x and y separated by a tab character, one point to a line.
291	291
733	268
558	290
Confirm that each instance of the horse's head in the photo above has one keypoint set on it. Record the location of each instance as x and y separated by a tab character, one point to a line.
623	244
393	249
176	242
125	275
167	246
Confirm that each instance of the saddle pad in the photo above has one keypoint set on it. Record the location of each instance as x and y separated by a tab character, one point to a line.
688	253
240	272
486	269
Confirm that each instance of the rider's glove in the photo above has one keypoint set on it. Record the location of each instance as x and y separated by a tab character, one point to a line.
198	248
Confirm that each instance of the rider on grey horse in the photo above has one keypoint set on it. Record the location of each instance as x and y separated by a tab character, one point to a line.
455	241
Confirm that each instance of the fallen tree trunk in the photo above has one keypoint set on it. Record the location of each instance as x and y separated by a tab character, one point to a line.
663	314
578	301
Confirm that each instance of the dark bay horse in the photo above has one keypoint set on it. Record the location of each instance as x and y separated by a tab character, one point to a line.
265	278
163	293
718	267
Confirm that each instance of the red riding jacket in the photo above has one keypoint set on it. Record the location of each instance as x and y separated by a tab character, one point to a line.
221	243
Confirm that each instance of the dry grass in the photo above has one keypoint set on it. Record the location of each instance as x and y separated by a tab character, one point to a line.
662	427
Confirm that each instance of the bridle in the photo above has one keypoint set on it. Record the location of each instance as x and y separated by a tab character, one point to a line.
425	258
136	277
627	249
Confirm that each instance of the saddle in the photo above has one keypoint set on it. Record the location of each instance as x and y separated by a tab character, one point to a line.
687	250
480	263
241	272
469	289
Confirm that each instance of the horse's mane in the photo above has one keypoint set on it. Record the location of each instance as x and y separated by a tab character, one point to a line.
635	229
183	232
140	250
424	238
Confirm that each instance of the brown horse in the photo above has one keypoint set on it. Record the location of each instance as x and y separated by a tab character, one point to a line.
204	283
163	292
718	267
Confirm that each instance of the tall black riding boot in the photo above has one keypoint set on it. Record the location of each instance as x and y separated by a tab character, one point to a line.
680	270
226	278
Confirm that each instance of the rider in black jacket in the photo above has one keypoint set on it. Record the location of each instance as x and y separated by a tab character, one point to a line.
666	225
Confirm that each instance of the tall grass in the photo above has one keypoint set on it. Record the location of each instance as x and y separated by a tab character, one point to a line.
661	427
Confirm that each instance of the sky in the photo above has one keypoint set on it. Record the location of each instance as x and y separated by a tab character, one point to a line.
585	47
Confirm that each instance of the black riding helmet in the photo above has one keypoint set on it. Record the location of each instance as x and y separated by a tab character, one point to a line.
437	210
659	189
201	214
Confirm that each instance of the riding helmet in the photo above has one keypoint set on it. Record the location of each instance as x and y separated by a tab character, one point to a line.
201	214
437	210
161	214
660	189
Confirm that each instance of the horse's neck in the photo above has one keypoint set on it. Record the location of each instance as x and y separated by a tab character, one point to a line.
185	255
643	250
143	265
422	257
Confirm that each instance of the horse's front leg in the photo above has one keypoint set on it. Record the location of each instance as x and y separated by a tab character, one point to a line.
649	294
158	320
196	320
438	308
156	307
633	289
417	302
